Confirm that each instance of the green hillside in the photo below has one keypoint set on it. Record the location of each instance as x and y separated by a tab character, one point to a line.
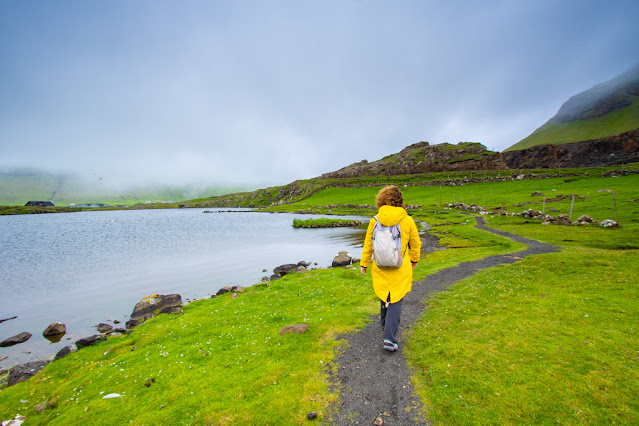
18	187
607	109
613	123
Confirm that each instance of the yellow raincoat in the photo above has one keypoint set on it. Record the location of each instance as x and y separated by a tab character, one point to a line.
396	282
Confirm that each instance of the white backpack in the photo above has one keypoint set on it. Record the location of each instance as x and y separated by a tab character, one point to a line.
387	245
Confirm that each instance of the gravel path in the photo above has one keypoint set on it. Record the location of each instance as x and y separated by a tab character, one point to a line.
376	383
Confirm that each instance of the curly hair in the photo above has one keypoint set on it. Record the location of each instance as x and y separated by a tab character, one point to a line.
389	196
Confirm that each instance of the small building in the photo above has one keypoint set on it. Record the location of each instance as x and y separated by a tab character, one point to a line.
40	204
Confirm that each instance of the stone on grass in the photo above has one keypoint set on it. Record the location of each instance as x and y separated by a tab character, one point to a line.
223	290
342	259
15	340
22	372
295	328
89	341
131	324
312	415
16	421
282	270
609	223
62	353
149	306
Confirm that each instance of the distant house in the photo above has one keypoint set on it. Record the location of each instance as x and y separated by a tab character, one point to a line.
40	204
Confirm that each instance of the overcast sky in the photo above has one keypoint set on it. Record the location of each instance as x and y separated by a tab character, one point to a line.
267	92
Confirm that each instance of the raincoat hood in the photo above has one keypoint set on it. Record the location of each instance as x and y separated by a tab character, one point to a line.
390	215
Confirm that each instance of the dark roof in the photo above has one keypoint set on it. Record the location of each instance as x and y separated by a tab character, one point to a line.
40	203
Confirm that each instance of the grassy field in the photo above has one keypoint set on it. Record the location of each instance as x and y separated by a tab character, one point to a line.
323	223
613	123
549	339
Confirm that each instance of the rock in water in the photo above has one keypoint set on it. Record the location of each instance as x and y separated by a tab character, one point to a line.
103	328
55	330
14	340
342	259
149	306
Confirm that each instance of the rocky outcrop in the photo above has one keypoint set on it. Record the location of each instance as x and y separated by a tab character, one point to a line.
610	151
155	304
425	158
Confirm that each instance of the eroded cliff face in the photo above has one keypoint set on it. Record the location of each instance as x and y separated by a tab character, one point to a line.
425	158
610	151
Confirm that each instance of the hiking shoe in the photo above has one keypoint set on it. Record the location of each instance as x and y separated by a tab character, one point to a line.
390	346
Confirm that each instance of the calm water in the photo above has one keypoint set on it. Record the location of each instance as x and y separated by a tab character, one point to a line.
85	268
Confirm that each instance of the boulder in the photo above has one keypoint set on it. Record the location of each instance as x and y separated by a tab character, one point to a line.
238	289
302	263
342	259
285	269
88	341
275	277
295	328
17	339
563	220
131	324
22	372
62	353
103	328
301	269
609	223
223	290
150	306
16	421
54	330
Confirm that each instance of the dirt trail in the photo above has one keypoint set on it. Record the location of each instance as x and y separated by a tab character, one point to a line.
376	383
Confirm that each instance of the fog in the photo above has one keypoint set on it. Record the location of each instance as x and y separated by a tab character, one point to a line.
262	93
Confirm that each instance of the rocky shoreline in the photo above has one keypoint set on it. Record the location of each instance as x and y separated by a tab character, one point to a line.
148	307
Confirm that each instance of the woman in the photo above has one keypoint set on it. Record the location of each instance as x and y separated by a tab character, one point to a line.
392	284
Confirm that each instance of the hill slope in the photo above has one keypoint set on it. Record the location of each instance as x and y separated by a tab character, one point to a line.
19	186
607	109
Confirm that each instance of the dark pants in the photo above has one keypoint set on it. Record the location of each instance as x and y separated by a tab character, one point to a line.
390	319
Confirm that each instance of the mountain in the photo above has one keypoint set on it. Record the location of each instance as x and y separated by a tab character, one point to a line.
17	186
605	110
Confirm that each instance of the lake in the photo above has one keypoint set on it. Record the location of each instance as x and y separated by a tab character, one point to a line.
84	268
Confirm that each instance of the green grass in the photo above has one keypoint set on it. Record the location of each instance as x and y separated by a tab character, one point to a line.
222	361
510	344
551	339
323	223
613	123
